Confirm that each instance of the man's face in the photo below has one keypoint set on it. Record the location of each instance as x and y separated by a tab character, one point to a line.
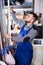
29	18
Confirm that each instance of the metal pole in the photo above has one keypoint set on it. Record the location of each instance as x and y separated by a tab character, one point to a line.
3	26
33	5
9	28
9	21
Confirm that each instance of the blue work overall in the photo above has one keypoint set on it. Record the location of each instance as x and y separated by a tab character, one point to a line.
24	32
24	53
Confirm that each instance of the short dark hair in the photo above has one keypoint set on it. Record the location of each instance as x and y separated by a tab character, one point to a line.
34	14
26	39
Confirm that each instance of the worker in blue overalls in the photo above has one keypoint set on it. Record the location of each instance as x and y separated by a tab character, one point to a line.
24	52
30	18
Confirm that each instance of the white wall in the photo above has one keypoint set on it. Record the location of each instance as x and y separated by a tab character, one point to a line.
38	7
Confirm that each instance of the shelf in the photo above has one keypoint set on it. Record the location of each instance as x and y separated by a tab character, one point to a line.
34	45
21	6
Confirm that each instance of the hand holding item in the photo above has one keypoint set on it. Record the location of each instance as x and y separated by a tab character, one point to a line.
19	16
7	36
18	27
12	10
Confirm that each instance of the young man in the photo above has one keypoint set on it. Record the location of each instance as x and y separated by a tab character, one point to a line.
30	18
24	53
28	29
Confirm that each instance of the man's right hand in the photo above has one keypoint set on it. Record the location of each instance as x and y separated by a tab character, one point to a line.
7	36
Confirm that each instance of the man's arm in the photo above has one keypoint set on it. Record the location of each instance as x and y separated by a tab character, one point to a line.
19	16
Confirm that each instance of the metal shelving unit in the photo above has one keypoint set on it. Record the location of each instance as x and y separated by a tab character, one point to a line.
29	5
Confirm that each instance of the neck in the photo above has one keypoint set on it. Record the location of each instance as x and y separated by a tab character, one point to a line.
29	23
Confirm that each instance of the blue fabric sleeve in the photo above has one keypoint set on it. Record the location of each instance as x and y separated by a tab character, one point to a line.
1	52
6	49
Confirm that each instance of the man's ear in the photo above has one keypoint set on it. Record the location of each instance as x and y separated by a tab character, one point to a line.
40	15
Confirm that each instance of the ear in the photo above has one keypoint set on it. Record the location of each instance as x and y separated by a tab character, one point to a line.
40	15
